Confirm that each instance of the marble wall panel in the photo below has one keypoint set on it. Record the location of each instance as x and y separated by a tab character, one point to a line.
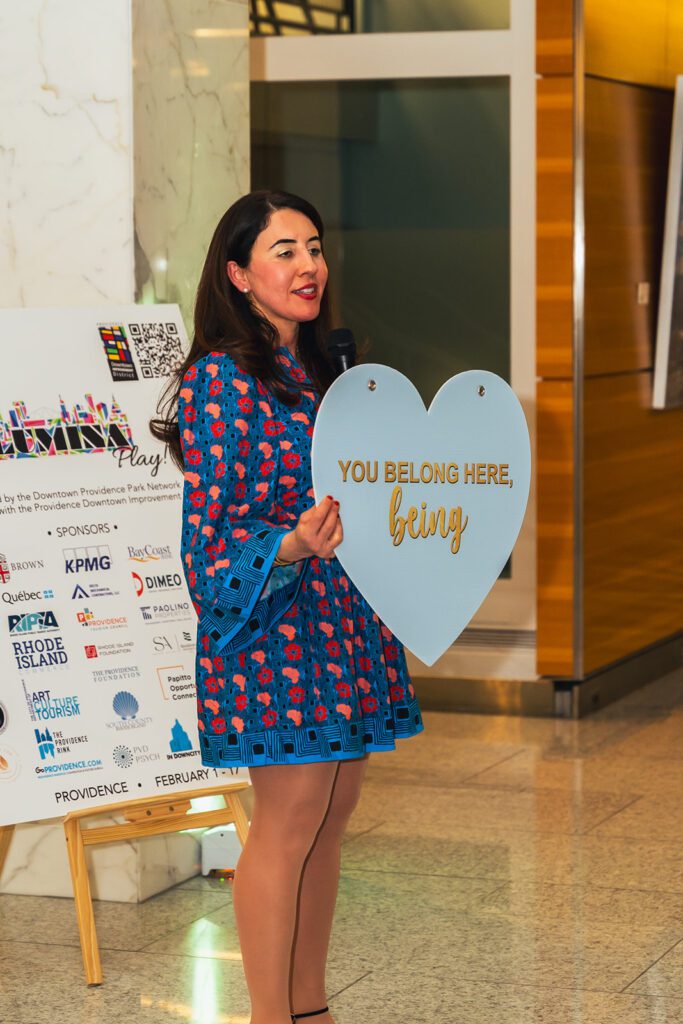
191	116
65	153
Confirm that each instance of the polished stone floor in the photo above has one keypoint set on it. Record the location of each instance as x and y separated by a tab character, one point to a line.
498	870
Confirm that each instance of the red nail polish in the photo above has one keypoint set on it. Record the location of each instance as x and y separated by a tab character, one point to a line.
336	502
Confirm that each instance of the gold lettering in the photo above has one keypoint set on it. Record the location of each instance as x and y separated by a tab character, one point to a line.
492	473
344	466
390	472
358	472
402	472
469	472
371	479
439	473
504	467
481	473
428	523
452	471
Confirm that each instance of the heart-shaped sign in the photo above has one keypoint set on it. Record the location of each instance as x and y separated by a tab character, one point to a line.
431	502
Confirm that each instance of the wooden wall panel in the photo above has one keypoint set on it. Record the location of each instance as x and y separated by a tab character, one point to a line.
627	147
554	220
555	528
554	37
633	519
634	40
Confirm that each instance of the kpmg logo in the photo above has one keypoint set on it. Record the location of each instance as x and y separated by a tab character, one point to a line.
88	559
32	622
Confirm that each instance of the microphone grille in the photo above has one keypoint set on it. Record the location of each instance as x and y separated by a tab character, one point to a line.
341	338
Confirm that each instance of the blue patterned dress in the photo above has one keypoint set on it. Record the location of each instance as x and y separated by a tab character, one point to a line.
293	665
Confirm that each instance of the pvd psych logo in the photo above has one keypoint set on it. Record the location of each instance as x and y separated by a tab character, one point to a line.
32	622
96	558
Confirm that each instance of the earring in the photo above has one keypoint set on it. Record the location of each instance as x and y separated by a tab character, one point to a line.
245	290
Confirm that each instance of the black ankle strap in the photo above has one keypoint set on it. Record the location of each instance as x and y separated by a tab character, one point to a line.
313	1013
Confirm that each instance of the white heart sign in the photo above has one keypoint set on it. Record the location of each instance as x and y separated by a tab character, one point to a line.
431	501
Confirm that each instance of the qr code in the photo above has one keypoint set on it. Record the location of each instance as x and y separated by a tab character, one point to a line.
158	348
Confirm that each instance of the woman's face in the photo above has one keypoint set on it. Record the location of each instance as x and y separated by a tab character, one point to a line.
287	273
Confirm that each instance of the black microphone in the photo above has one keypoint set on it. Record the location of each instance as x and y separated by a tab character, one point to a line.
341	350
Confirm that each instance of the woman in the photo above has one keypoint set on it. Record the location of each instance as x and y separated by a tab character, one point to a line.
297	678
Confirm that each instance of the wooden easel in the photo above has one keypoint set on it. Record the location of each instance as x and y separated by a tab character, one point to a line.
149	816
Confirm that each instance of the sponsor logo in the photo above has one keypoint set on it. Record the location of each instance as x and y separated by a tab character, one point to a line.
87	618
81	429
87	559
3	718
39	654
84	530
46	746
180	744
52	744
164	643
167	581
149	553
30	622
121	674
24	596
9	764
176	611
117	351
124	756
84	593
108	650
176	683
42	706
7	567
126	706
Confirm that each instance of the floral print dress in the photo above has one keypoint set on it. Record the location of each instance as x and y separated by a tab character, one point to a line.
293	665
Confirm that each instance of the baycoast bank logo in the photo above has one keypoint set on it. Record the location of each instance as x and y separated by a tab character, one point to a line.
149	553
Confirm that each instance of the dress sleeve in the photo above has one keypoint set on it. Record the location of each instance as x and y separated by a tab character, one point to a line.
230	530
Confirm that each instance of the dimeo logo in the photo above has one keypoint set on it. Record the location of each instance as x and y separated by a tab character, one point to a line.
88	559
167	581
33	622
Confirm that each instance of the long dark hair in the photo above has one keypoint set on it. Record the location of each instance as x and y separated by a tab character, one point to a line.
224	320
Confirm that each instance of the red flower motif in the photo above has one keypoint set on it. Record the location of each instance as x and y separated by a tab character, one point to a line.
273	427
264	676
216	386
211	684
390	652
269	718
397	692
198	498
218	664
333	649
218	725
243	447
193	456
240	491
219	471
291	460
214	510
369	704
241	701
267	467
245	404
218	428
190	414
364	664
320	713
297	693
324	606
292	651
191	374
343	689
289	498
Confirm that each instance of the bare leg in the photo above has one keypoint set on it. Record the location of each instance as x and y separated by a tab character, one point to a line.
318	895
290	802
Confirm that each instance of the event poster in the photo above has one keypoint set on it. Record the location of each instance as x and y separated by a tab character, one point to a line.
97	634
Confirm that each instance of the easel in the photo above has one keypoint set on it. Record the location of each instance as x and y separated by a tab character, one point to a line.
149	816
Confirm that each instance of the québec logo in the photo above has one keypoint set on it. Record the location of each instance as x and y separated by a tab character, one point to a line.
88	559
32	622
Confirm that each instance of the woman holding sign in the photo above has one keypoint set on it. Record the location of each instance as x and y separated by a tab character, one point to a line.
297	678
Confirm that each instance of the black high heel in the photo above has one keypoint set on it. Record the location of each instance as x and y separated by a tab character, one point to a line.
313	1013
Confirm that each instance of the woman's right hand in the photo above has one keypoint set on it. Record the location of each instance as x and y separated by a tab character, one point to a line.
317	533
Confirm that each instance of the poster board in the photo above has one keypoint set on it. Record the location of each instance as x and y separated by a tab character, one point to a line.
97	630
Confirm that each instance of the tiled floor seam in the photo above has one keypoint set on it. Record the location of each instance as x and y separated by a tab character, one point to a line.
624	991
613	814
